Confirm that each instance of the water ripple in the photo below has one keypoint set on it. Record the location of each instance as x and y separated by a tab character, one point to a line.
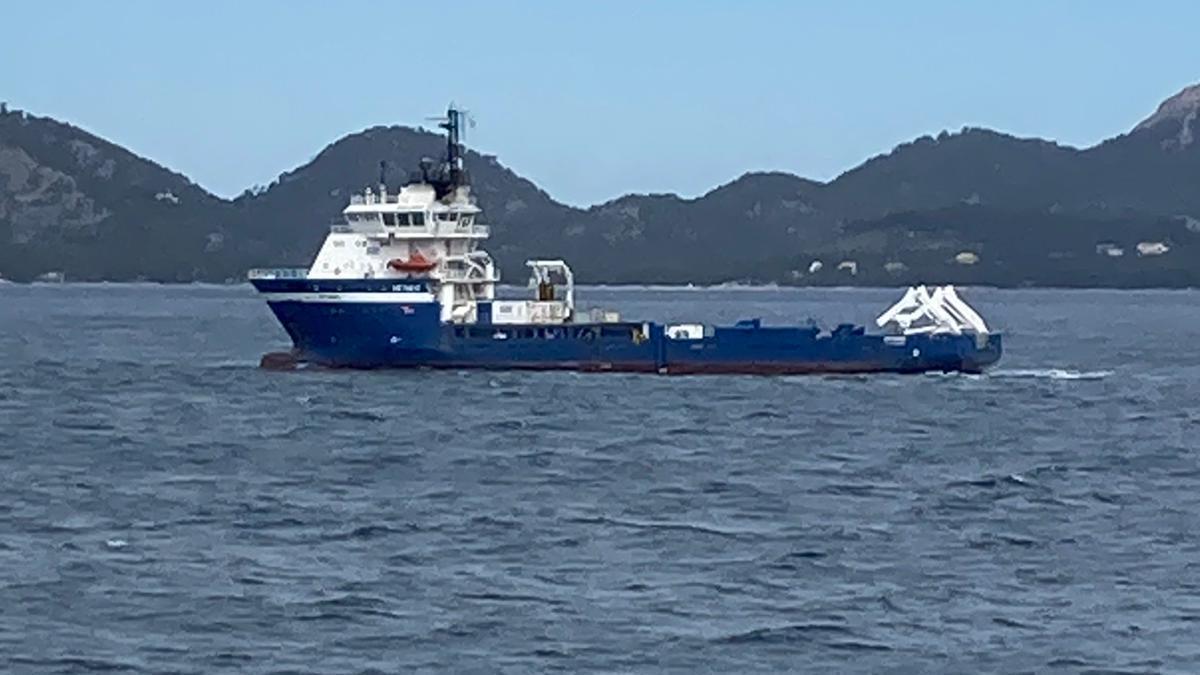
168	507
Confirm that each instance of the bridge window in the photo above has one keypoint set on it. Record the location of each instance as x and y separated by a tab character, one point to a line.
401	219
418	219
389	219
450	216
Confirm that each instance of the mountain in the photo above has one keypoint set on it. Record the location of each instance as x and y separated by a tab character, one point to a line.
973	206
72	201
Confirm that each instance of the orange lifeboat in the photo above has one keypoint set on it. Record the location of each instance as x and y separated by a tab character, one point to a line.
415	263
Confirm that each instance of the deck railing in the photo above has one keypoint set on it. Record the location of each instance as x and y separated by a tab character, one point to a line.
459	274
278	273
434	230
439	229
478	230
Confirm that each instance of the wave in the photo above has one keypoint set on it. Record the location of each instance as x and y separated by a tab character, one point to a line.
786	633
666	525
358	415
233	364
1051	374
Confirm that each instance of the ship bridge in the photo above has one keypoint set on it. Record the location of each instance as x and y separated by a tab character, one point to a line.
413	213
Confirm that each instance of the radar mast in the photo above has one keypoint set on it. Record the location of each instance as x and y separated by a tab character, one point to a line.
451	175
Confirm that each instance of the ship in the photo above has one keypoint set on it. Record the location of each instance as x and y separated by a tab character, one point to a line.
401	281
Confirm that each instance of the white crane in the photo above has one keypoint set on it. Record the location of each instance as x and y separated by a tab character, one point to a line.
941	311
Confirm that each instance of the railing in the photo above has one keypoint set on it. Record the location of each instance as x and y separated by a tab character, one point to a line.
434	230
452	274
529	311
374	198
547	312
278	273
476	230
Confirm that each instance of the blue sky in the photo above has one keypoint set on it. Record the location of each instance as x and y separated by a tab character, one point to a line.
591	100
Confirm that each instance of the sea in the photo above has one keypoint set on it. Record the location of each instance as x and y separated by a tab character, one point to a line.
168	507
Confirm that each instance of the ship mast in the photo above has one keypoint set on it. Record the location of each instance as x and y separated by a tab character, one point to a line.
453	127
452	175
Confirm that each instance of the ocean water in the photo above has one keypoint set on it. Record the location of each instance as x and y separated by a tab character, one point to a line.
165	506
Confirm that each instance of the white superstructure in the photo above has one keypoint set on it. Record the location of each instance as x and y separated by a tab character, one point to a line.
413	234
430	230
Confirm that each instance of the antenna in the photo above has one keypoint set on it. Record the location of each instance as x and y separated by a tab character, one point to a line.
455	116
452	172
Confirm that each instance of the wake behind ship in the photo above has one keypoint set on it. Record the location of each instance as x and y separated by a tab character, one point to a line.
401	282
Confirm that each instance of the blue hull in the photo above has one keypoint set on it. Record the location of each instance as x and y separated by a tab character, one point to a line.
411	335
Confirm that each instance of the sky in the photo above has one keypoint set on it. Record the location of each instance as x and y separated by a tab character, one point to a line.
590	100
